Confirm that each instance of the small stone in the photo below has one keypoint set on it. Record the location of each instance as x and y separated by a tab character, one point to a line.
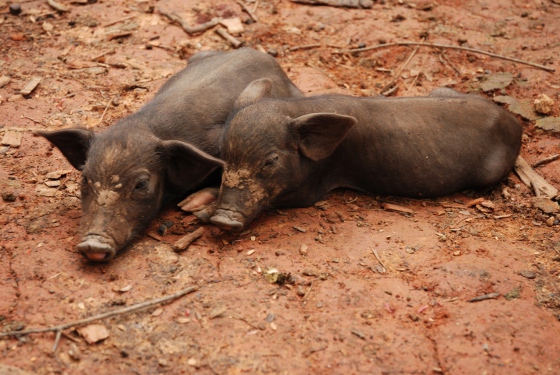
272	52
157	312
550	221
9	197
310	272
11	138
273	326
182	320
216	312
192	362
543	104
15	9
545	205
55	175
93	333
4	80
300	291
74	352
30	86
47	26
303	249
528	274
54	183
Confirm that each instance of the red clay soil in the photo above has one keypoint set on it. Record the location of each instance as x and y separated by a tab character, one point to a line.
342	309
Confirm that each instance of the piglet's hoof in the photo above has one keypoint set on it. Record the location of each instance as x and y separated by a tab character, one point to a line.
206	213
227	220
197	201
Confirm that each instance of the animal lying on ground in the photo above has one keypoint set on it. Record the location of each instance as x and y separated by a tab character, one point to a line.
168	147
291	152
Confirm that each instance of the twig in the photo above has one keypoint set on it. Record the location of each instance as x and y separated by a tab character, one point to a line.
444	57
109	314
546	160
305	46
105	111
485	297
385	90
249	11
308	291
434	45
185	241
421	71
56	340
227	36
378	259
238	317
32	119
532	179
191	30
390	91
119	20
256	6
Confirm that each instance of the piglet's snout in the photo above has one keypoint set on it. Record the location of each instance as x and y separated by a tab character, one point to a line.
97	248
228	220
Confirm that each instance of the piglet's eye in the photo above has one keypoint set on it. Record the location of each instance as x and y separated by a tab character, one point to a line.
141	185
271	160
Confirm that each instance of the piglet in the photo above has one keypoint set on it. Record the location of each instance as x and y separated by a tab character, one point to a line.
168	147
291	152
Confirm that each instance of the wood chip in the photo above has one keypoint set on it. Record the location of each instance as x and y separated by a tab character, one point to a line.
57	6
54	183
474	202
30	86
234	25
157	312
183	243
396	208
154	235
93	333
11	138
4	80
55	175
217	311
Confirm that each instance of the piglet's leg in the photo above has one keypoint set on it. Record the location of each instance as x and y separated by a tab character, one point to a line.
202	203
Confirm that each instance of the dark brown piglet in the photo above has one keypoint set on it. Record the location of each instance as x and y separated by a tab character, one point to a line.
168	147
290	152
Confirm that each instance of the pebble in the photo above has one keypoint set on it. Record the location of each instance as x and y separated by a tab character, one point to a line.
74	352
303	249
528	274
543	104
272	52
9	196
15	9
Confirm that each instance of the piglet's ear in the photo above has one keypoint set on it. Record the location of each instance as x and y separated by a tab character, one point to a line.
319	134
255	91
73	143
186	165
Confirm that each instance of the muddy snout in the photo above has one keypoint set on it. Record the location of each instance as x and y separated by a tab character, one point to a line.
97	248
228	220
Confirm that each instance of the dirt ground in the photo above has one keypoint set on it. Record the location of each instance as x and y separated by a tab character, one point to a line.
343	311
